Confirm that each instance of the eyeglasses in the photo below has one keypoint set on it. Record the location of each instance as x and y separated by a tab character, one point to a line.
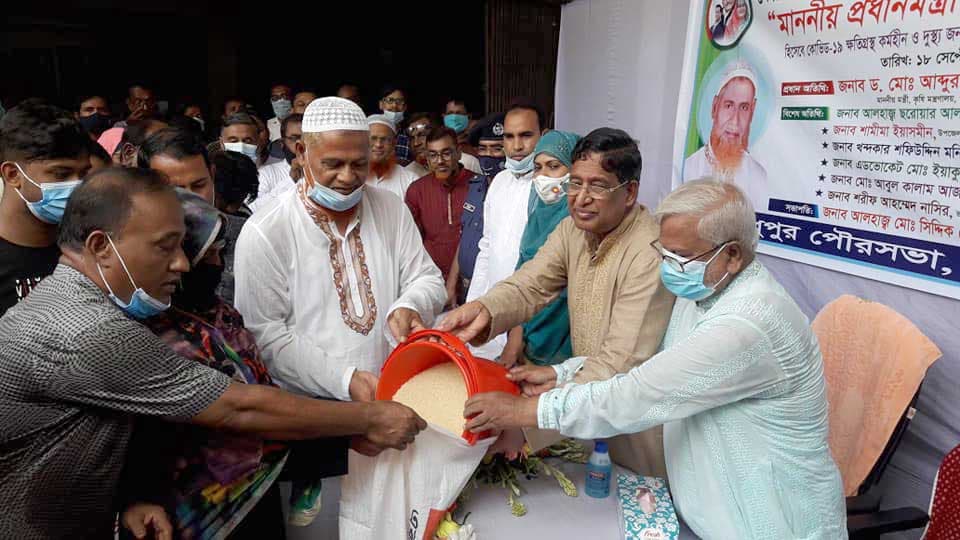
418	129
573	188
677	262
293	138
395	101
447	155
278	97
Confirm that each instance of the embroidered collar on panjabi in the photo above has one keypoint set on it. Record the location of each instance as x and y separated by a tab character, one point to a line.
314	210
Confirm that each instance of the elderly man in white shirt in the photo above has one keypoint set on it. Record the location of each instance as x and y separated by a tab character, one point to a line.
280	177
385	172
325	274
505	211
738	384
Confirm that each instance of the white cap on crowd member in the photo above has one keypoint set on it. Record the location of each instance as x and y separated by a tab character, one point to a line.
382	120
333	114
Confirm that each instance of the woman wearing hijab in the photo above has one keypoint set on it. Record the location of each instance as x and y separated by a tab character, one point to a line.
212	484
545	339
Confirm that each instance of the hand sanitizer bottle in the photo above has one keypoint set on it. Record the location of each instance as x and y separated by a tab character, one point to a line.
599	470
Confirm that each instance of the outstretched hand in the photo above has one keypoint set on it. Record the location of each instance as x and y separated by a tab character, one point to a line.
499	411
147	521
534	380
467	321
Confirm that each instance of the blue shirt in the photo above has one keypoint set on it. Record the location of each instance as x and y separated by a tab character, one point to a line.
402	150
471	222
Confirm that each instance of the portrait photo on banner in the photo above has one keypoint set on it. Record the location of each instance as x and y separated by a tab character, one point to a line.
727	21
730	115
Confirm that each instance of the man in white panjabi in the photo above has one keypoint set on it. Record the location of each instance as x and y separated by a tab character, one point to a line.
726	155
282	176
385	172
738	384
324	275
505	212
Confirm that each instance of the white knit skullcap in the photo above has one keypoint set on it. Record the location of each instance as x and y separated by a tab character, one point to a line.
382	120
333	114
738	69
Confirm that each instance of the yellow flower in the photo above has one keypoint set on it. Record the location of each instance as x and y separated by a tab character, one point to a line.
447	527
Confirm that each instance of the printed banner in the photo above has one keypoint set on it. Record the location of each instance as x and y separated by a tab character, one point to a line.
840	120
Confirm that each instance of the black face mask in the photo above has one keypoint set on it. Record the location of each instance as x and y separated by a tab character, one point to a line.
288	155
96	123
491	166
198	287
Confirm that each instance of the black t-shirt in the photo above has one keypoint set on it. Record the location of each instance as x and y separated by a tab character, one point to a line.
21	269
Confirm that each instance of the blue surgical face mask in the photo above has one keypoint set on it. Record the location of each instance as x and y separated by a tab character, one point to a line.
141	305
689	283
329	198
247	149
53	198
281	108
394	116
490	165
456	122
522	167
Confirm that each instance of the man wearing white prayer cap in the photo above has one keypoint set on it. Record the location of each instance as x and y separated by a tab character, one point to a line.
726	156
335	269
385	172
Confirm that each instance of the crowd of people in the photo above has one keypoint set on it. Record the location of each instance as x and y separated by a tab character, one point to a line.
190	317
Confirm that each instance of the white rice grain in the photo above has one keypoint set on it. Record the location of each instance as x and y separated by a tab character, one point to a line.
437	394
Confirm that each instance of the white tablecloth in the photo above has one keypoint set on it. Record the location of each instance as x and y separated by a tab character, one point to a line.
550	513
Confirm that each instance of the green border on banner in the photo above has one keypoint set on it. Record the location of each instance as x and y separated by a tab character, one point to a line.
706	54
808	114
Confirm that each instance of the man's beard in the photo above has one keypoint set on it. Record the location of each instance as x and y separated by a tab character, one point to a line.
382	168
727	154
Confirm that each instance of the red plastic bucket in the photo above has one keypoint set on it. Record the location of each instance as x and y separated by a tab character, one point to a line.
418	353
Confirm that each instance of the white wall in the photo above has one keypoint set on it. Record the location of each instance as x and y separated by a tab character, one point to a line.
619	65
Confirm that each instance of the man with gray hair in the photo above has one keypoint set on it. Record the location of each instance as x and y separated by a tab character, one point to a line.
240	133
738	385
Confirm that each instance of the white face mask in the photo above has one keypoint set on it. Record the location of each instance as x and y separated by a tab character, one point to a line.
550	190
247	149
394	116
330	198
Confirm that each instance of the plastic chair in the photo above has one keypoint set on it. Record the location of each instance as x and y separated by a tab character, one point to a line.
874	363
943	519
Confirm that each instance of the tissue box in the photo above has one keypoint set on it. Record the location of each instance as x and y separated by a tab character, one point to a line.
646	509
